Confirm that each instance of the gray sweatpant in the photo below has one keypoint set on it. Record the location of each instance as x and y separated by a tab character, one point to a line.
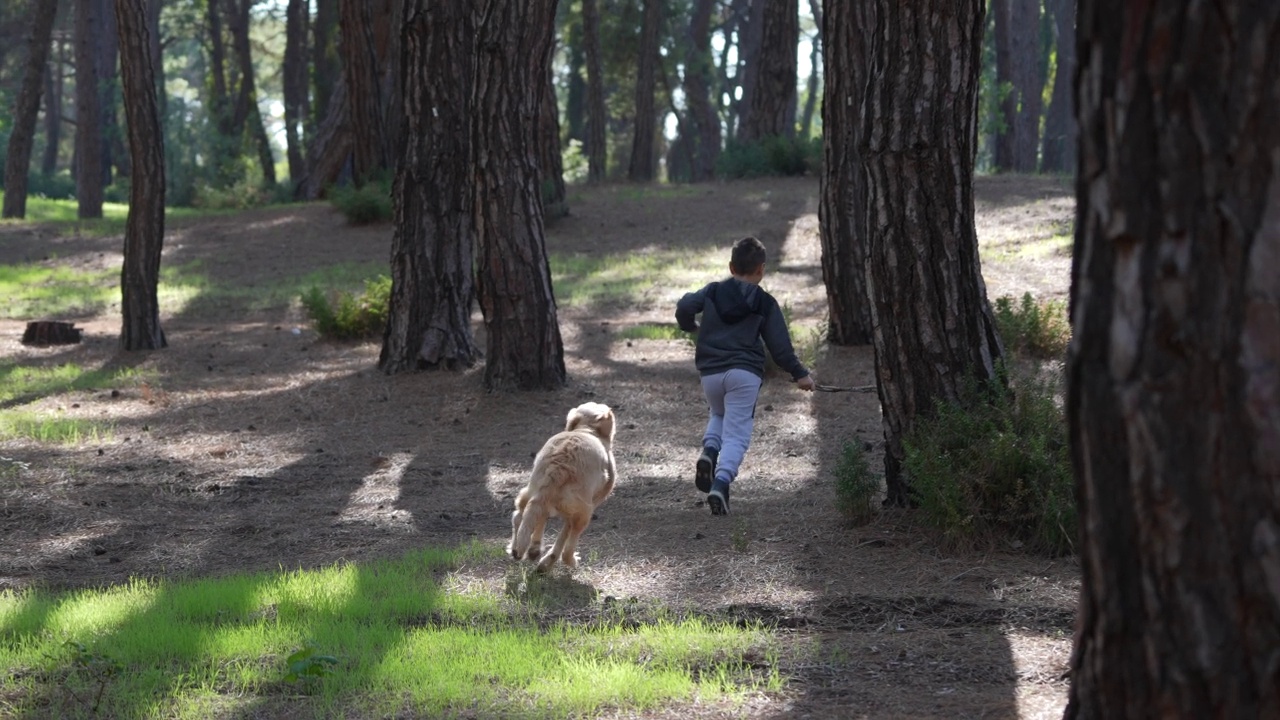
732	397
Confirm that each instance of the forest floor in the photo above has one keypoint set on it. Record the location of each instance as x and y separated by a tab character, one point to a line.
247	445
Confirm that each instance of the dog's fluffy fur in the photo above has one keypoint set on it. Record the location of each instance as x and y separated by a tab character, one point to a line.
572	474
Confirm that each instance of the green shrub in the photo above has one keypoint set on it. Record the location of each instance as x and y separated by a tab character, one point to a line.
776	155
242	195
59	186
349	316
856	485
364	205
995	465
1037	329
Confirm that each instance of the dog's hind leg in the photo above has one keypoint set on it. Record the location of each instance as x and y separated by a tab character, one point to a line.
557	551
573	527
528	538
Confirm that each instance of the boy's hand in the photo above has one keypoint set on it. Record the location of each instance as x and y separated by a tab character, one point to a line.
806	383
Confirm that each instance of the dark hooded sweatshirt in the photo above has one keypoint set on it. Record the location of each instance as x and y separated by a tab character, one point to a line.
736	316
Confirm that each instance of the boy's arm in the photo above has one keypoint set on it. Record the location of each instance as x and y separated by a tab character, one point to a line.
688	307
778	339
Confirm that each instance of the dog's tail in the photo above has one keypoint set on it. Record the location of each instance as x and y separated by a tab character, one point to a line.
535	514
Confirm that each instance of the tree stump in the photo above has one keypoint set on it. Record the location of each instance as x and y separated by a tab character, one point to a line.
51	332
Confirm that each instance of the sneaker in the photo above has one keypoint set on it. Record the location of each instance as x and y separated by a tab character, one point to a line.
706	469
718	499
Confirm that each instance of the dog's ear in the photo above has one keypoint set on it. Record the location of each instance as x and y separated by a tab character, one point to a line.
574	419
604	426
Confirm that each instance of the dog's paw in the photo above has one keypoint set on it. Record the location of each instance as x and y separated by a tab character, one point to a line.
533	554
544	565
570	560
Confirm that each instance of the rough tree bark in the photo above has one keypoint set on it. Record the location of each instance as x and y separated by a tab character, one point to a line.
932	325
144	229
597	150
326	69
364	91
89	189
644	156
1002	156
1024	48
26	111
1173	376
771	110
555	203
432	251
246	116
843	185
297	18
524	349
703	122
1060	135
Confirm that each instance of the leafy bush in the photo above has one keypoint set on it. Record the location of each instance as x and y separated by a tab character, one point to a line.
994	465
241	195
776	155
350	316
1037	329
59	186
856	486
364	205
575	162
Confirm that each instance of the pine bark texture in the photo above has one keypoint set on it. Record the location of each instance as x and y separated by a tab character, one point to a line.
247	117
432	252
144	228
364	96
597	149
644	156
297	16
1060	134
932	325
26	111
1002	156
1173	375
555	203
772	108
1024	48
54	76
89	189
844	270
326	68
523	345
703	122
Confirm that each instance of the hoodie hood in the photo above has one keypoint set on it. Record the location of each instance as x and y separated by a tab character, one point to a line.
735	300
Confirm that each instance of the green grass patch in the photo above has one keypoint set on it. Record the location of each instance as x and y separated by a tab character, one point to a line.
994	466
350	316
378	639
55	430
40	291
655	331
625	278
22	385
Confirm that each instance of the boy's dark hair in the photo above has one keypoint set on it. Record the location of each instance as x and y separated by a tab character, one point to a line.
748	256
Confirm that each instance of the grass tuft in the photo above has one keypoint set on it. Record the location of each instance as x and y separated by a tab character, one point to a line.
350	316
1034	329
856	486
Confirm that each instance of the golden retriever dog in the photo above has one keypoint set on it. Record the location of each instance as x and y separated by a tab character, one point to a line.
572	474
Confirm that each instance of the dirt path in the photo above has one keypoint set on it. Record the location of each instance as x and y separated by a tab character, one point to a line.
245	446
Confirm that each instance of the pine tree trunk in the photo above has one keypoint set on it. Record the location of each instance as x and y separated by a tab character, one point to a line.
704	122
329	149
114	154
144	229
89	189
1173	377
555	203
772	108
1024	51
932	325
54	75
1060	134
432	251
27	111
297	18
843	185
326	69
575	104
750	40
364	94
643	167
597	149
524	349
247	118
1005	147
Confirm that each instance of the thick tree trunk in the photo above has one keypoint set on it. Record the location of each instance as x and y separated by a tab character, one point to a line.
1028	84
297	18
932	325
844	269
524	349
432	251
1173	377
26	111
555	203
1060	122
597	149
772	107
575	104
144	229
54	76
89	188
703	122
364	96
1005	146
750	40
644	156
114	155
247	117
329	150
326	68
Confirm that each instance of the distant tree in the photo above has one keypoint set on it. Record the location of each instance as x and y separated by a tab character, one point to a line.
1005	146
524	349
115	158
432	252
364	91
144	229
597	149
843	184
644	156
702	121
1028	83
246	118
1173	376
1060	123
748	22
297	19
89	187
932	325
772	107
555	202
575	104
815	76
53	89
26	111
326	68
